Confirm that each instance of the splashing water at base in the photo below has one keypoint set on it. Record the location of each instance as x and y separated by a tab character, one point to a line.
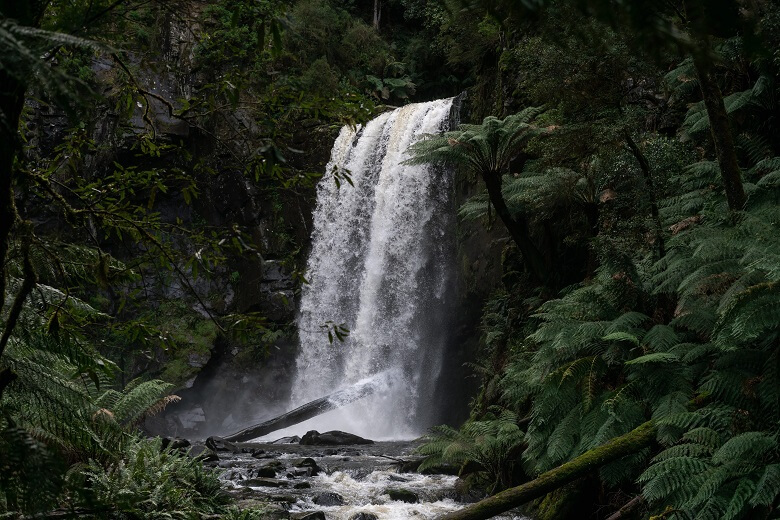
381	263
361	476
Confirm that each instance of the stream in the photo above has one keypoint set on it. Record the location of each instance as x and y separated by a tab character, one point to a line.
355	482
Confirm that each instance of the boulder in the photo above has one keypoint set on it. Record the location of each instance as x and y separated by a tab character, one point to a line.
329	499
363	516
302	485
270	469
266	472
299	473
219	444
177	443
309	463
204	454
402	495
332	438
265	482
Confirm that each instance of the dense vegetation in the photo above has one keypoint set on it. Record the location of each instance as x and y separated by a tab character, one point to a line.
641	194
629	149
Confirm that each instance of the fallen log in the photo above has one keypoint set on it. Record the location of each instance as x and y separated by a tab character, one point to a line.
617	448
307	411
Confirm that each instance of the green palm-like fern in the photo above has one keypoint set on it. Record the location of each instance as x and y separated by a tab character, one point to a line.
486	151
489	443
485	148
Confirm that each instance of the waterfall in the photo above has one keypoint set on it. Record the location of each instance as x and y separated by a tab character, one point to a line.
381	263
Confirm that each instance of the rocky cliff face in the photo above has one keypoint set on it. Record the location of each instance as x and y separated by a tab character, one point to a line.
223	379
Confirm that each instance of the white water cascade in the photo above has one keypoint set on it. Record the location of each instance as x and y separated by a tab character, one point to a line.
381	263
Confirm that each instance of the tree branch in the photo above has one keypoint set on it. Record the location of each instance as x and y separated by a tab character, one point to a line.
28	284
627	508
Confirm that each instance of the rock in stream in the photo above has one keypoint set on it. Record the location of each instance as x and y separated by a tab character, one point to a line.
348	482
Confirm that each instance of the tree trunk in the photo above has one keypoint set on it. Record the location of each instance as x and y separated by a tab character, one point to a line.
377	13
644	165
721	133
11	103
302	413
518	230
617	448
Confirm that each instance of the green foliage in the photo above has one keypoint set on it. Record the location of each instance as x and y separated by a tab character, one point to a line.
490	443
150	482
485	149
21	48
56	415
686	335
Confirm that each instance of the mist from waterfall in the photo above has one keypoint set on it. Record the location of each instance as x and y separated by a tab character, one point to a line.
381	263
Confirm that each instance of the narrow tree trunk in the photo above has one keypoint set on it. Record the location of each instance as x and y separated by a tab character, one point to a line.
721	134
307	411
518	230
377	13
617	448
11	102
644	165
627	508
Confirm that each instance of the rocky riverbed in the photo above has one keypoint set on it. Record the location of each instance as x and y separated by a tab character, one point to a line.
348	482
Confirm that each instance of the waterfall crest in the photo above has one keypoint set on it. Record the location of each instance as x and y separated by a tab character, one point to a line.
381	263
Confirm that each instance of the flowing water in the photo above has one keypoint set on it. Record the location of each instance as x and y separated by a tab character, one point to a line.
360	477
381	264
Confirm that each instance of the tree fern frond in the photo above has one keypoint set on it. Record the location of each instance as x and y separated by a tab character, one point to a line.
768	486
748	446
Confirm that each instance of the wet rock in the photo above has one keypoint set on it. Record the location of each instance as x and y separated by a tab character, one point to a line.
265	482
308	515
177	443
302	485
332	438
266	472
270	469
203	453
465	492
220	444
288	440
299	473
309	463
361	473
258	454
397	478
273	271
403	495
364	516
329	499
